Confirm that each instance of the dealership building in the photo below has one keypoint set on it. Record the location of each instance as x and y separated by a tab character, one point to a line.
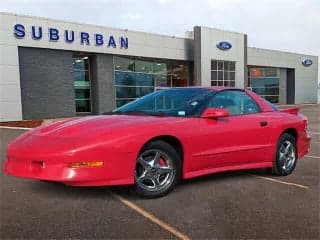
51	68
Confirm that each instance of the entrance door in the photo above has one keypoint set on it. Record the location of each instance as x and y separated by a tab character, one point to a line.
290	86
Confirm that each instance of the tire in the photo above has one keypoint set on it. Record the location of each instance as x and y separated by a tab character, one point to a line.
286	155
158	170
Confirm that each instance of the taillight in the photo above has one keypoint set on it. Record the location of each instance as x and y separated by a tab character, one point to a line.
306	125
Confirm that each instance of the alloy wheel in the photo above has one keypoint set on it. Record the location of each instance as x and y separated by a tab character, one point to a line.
154	170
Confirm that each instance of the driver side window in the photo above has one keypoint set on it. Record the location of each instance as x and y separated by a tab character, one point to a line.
236	102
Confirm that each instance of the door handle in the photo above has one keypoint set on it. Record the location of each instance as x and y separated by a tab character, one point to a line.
263	123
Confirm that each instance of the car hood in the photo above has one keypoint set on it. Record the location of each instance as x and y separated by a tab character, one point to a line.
114	132
96	125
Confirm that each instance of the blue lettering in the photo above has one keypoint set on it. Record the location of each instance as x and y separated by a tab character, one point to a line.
112	42
84	38
66	35
19	31
53	34
124	42
34	35
69	36
99	39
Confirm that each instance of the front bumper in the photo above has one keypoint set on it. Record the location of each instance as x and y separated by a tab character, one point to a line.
62	172
304	144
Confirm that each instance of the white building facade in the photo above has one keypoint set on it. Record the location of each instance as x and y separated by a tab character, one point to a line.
51	68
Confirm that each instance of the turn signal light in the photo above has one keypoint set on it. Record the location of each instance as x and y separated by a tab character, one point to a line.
86	164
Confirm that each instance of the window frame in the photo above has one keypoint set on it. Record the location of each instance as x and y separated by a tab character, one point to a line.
222	74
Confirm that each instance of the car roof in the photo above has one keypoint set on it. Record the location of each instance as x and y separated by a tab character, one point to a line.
217	89
224	88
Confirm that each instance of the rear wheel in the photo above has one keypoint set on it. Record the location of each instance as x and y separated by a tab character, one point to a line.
158	170
286	155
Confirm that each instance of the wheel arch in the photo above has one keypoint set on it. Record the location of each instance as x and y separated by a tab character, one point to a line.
171	140
292	131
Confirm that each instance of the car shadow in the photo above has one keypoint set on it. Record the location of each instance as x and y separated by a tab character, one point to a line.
54	189
58	189
129	193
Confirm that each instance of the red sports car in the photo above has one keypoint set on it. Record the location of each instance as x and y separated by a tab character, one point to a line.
163	137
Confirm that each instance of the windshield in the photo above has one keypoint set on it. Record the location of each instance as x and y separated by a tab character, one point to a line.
180	102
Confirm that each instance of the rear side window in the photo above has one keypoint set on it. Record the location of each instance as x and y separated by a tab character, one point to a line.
236	102
274	107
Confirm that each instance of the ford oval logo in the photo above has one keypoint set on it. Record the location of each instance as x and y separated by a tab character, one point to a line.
224	46
307	62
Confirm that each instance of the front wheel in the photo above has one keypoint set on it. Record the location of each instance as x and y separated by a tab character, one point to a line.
286	155
158	170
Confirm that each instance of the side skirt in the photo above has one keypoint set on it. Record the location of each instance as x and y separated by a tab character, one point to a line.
226	169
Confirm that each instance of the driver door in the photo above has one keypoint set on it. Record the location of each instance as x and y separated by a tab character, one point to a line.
239	139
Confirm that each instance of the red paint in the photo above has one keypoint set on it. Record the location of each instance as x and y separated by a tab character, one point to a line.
209	145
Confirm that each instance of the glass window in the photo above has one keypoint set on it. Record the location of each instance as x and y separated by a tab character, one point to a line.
232	76
236	102
82	94
123	64
81	75
160	68
122	102
143	79
270	72
272	99
143	66
162	80
226	75
83	106
265	82
136	77
80	63
226	66
257	82
232	66
225	72
125	78
133	92
214	75
214	65
82	86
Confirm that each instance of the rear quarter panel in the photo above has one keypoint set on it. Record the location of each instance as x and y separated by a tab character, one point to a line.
280	122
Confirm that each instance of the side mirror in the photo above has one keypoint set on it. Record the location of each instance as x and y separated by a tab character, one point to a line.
215	113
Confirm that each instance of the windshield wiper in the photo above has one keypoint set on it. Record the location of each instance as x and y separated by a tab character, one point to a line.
127	113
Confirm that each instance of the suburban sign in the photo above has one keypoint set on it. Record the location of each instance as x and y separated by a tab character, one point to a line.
85	38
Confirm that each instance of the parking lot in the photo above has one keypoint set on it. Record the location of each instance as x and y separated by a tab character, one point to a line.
237	205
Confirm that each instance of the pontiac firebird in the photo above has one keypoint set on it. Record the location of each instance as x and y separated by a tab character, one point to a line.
161	138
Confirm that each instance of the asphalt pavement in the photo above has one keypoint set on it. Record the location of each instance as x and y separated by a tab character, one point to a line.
237	205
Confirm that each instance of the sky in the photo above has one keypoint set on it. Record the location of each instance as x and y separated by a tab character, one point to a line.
287	25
